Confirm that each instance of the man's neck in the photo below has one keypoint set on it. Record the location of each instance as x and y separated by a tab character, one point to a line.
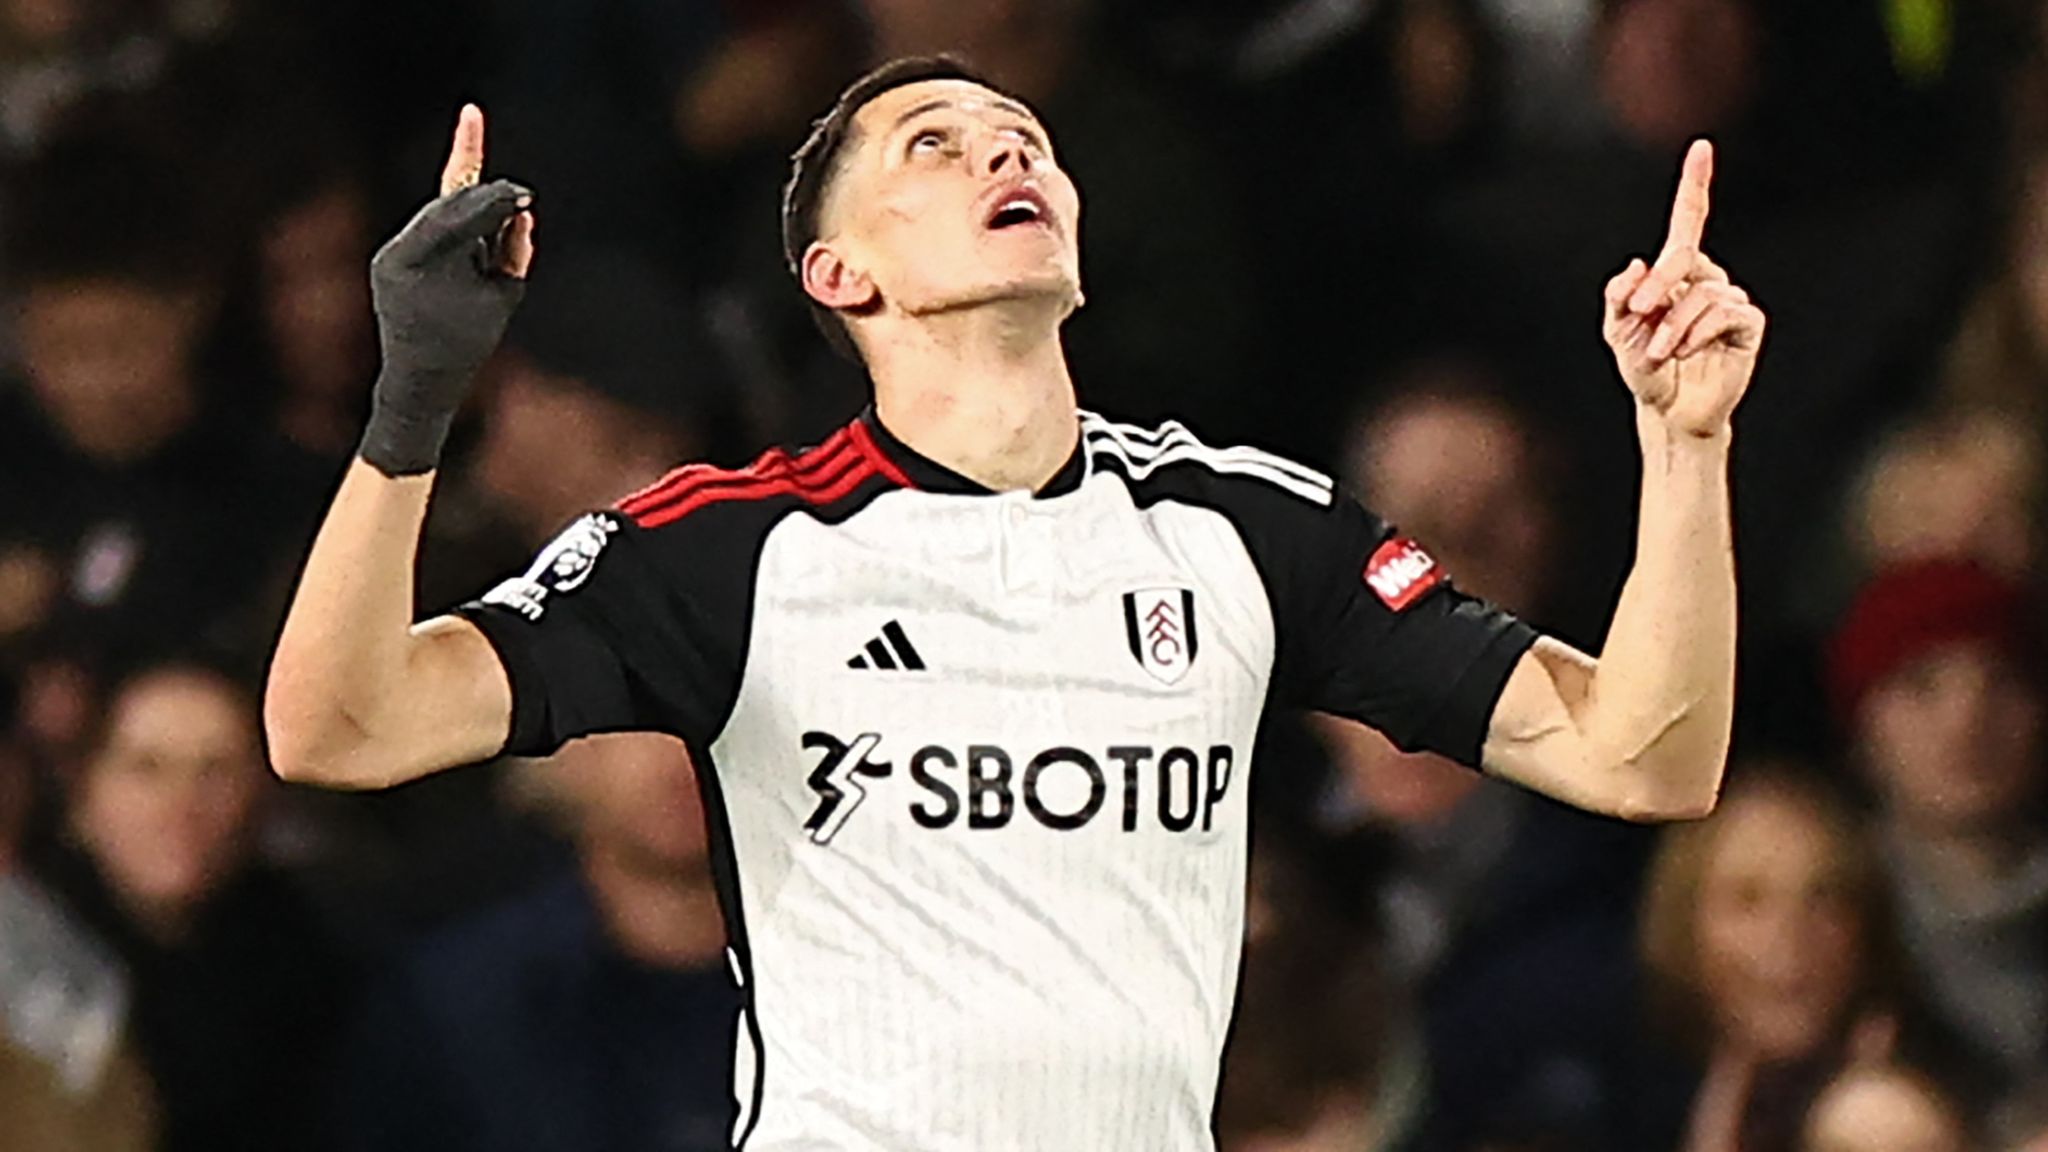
983	391
659	917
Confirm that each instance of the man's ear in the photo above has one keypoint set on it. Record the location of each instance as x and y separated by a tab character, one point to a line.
834	283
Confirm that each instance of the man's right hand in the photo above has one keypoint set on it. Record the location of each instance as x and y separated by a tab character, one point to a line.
445	288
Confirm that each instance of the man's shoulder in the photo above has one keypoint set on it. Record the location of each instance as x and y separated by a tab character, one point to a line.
1168	461
700	528
830	480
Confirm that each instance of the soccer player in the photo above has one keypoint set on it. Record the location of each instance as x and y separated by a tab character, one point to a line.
972	684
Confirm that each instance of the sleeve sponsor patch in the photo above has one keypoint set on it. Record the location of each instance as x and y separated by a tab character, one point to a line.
1400	572
561	567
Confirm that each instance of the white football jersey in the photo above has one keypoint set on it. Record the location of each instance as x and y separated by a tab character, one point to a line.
977	763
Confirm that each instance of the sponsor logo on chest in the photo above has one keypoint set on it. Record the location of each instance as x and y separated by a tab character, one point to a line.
986	786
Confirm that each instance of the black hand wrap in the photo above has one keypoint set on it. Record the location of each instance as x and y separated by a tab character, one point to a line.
442	303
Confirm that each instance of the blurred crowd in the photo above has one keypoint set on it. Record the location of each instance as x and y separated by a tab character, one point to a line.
1368	233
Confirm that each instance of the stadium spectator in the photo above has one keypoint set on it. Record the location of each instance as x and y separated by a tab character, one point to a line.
582	97
1674	70
299	347
1952	484
227	971
1547	46
758	86
315	304
1937	675
68	1081
39	1112
1999	356
1397	102
1884	1108
1315	1061
58	54
594	1012
608	384
117	486
1449	460
1517	1003
1767	964
2022	1126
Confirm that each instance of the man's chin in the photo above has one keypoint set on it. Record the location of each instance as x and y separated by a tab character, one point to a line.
1052	291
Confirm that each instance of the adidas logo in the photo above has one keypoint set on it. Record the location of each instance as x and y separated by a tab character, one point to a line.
889	651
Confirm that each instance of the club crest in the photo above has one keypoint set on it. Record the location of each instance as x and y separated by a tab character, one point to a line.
1160	626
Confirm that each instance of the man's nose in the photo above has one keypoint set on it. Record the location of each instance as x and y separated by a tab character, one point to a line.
1007	156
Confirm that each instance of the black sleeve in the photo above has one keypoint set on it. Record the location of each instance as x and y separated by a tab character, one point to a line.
607	631
1370	627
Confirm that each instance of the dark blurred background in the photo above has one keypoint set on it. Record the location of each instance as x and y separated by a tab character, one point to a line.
1368	233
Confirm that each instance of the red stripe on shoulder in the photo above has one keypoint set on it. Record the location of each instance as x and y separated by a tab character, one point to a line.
821	489
820	475
774	462
668	482
877	457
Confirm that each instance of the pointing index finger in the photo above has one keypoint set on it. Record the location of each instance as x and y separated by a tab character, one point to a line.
1689	207
466	156
1681	254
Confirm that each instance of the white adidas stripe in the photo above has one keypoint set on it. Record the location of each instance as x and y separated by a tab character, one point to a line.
1140	444
1238	454
1139	470
1178	445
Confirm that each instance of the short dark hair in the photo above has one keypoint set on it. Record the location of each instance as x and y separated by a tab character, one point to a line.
812	168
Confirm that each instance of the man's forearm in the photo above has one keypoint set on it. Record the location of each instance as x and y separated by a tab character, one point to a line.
359	696
1662	701
345	637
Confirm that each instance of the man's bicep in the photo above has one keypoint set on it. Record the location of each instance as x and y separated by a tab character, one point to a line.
458	709
566	674
1375	631
607	631
1536	738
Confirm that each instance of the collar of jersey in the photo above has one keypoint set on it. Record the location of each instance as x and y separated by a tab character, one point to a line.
928	475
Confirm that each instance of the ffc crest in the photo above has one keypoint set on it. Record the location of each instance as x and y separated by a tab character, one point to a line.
1160	625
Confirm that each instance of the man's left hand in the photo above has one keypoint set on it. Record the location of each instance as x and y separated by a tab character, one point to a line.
1685	338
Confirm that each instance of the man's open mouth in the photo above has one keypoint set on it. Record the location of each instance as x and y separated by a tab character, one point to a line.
1018	208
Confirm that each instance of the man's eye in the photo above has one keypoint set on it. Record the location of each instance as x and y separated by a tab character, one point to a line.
927	140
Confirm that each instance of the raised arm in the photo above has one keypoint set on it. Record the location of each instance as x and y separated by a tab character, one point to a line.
1643	731
358	695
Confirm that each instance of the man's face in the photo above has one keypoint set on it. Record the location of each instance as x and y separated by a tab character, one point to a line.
109	361
553	448
1955	740
1778	927
166	803
1458	477
1675	69
316	300
1968	493
949	197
